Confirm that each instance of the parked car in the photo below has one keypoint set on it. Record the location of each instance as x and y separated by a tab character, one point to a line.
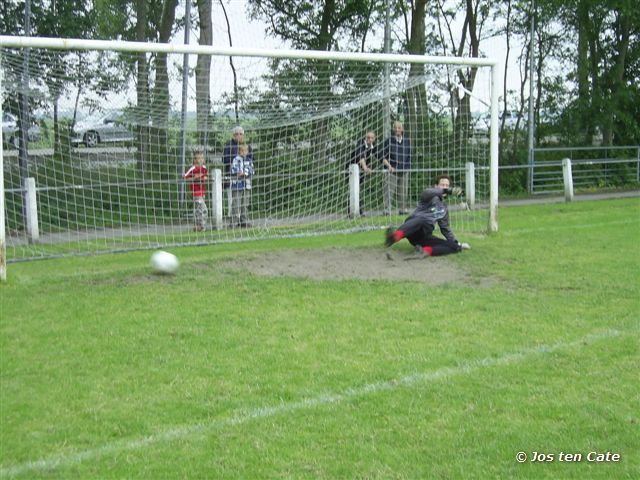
102	129
10	133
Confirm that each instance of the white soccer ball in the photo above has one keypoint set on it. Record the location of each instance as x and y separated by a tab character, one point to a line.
164	262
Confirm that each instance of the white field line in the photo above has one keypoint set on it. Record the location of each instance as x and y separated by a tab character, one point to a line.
520	231
244	416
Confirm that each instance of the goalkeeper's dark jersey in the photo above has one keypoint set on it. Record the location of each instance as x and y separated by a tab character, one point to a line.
432	210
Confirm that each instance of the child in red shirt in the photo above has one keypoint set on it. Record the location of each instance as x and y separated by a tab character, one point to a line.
197	176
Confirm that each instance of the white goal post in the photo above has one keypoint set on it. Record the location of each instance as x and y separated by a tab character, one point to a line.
302	111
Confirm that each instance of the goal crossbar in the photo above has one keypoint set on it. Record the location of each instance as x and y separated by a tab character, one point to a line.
127	46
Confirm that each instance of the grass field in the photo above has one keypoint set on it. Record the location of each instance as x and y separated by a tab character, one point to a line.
108	371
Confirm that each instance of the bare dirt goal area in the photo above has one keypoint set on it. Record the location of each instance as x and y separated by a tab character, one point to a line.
361	264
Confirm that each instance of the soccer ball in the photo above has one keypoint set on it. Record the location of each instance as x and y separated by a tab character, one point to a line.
164	262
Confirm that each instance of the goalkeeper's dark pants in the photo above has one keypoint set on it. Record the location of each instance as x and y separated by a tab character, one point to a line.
419	233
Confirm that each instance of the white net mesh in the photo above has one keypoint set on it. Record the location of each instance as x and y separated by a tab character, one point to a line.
106	146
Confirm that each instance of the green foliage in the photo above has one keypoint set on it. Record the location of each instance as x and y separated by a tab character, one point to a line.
114	18
317	25
607	48
11	17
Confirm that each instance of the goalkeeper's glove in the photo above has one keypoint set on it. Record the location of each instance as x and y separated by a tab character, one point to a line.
455	191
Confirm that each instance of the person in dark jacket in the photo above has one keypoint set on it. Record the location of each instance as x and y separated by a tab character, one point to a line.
419	226
230	150
396	159
363	156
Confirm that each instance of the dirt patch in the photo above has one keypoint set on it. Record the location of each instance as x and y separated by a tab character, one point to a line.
363	264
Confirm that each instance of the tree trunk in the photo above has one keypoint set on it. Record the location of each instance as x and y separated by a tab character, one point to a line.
506	60
142	87
322	68
367	26
203	71
595	110
326	36
540	63
236	94
584	97
161	98
622	30
463	118
511	155
417	95
161	88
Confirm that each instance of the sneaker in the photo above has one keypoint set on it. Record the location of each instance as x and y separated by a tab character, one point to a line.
388	236
465	246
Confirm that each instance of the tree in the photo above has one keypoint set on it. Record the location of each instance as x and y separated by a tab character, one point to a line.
203	69
615	88
235	98
467	43
142	86
417	95
72	18
320	25
145	21
12	17
315	25
607	36
160	105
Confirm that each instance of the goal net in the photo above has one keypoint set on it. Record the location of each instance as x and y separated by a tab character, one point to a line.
98	137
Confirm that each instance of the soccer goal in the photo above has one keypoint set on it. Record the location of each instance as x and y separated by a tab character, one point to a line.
97	137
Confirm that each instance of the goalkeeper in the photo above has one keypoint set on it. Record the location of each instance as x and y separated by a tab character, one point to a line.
419	226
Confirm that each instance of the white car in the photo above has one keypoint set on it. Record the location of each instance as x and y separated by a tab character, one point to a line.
10	134
107	128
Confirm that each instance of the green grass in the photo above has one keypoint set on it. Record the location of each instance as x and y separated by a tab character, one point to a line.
110	372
